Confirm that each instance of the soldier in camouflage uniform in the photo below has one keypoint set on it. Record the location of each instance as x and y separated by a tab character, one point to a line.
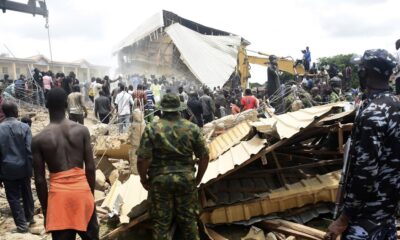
167	170
373	189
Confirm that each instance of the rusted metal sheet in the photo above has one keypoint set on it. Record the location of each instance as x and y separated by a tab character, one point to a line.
319	189
233	157
291	123
228	139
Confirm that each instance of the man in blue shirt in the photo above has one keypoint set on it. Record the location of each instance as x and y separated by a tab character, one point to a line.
307	59
16	166
19	87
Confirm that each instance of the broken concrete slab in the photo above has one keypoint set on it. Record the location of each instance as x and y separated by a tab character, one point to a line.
123	197
100	180
112	146
104	164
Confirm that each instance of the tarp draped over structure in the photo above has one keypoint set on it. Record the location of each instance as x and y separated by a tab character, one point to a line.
151	25
210	54
212	59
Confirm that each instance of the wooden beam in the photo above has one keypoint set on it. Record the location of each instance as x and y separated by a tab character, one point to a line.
259	173
340	139
317	152
295	229
113	234
281	178
214	235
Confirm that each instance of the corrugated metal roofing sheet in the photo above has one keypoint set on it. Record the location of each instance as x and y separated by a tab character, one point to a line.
233	157
123	197
319	189
289	124
228	139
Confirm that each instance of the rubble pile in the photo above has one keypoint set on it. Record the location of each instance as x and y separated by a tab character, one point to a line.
264	174
261	172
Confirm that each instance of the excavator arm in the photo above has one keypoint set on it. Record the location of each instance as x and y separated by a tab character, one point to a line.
30	7
244	61
284	64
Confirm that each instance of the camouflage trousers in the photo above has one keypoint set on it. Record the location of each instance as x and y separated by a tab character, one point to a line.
363	230
173	198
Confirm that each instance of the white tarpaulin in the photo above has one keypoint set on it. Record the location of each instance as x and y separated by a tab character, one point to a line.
212	59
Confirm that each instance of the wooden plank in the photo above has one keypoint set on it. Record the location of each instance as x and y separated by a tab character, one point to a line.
214	235
258	173
340	138
305	231
113	234
281	178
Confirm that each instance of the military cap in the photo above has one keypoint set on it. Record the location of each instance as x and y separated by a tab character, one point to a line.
171	103
378	60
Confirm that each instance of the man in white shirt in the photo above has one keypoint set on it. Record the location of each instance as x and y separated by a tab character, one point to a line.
123	102
96	86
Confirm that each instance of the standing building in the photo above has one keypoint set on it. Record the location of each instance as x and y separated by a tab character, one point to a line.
16	66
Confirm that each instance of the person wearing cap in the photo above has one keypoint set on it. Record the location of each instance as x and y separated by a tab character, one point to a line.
167	170
273	85
196	108
372	191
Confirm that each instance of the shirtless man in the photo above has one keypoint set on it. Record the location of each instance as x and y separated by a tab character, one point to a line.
68	204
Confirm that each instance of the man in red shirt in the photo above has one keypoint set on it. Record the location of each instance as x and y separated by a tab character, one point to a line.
249	101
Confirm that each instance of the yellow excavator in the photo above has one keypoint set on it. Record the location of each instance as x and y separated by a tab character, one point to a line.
286	64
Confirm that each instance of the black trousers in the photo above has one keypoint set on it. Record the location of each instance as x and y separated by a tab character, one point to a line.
76	118
92	232
397	85
208	118
22	212
104	118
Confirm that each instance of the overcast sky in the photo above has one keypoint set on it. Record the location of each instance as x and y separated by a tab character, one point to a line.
90	28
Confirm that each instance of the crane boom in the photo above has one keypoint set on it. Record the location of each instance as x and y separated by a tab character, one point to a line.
30	7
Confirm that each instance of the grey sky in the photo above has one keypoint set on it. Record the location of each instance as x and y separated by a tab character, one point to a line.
90	28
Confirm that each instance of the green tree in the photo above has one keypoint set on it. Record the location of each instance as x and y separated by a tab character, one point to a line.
342	61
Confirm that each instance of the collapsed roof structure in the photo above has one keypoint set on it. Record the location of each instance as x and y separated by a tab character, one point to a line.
167	44
259	169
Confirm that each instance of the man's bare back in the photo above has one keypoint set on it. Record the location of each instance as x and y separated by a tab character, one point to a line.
64	145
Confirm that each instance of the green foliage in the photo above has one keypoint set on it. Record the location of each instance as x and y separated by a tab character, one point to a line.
286	77
256	85
341	61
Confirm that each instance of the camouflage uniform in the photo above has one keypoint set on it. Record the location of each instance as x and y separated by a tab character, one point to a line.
169	144
334	97
373	190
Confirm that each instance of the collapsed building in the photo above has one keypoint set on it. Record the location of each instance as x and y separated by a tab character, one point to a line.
167	44
283	167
